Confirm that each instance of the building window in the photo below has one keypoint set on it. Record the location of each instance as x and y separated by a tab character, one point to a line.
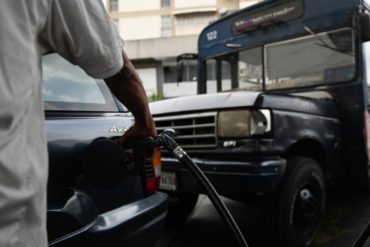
113	5
165	3
166	26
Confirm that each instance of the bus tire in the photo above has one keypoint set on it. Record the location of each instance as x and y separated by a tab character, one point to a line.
301	203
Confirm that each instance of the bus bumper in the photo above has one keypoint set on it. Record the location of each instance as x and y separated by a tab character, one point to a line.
230	178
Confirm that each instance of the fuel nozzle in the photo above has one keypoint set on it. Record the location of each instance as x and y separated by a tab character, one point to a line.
149	144
148	157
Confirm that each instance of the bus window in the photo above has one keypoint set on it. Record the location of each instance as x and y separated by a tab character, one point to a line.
211	76
250	69
314	60
235	72
218	74
225	75
366	50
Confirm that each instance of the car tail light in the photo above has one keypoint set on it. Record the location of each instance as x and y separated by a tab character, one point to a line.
152	172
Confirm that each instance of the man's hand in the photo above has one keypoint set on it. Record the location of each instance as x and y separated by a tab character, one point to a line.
137	132
128	88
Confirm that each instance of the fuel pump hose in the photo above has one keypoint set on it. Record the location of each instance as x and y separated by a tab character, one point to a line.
185	160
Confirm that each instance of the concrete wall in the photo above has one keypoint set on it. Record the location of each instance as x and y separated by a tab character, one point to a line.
171	90
246	3
227	5
145	27
191	24
161	48
138	5
194	3
155	51
149	78
189	30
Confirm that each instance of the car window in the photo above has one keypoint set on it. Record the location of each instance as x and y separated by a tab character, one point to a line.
68	87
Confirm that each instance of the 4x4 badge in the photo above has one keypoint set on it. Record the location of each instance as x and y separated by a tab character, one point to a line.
118	130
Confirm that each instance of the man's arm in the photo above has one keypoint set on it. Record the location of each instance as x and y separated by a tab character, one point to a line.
128	88
97	50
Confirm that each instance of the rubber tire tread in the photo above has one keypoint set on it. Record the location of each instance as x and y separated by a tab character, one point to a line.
299	170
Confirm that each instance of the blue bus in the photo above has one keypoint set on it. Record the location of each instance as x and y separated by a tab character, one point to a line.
281	113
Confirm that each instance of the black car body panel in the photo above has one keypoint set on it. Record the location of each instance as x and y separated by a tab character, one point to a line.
70	133
135	224
78	112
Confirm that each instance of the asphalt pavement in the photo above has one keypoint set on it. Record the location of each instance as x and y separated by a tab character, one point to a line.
346	216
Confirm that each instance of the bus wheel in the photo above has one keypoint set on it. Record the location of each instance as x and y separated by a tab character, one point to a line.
301	203
180	207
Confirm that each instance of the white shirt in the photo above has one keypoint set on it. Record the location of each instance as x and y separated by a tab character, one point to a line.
78	30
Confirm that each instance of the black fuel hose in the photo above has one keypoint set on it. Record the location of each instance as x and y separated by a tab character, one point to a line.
363	237
164	140
185	160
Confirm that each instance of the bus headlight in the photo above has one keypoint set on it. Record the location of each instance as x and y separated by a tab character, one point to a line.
243	123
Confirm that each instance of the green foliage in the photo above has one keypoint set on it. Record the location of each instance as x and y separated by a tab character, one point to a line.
156	97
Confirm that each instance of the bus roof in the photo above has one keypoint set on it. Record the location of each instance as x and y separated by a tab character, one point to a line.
272	21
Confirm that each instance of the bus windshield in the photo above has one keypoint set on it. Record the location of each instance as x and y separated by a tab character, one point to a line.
312	60
319	59
236	71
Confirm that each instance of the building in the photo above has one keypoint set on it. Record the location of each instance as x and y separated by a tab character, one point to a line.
156	31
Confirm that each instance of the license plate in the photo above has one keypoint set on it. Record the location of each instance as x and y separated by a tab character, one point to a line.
168	181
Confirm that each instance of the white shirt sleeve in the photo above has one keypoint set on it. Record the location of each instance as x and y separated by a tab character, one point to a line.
82	32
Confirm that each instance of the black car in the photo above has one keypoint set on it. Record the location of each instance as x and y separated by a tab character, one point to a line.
93	198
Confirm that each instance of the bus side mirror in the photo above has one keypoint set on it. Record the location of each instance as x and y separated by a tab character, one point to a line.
180	61
365	27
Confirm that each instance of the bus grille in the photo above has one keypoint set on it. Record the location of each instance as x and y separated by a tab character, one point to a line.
192	130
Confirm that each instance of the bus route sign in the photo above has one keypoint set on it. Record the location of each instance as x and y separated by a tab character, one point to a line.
283	13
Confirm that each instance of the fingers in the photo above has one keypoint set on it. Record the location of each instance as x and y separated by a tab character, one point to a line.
127	135
136	132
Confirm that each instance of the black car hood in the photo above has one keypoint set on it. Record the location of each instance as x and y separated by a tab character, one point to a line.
204	102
